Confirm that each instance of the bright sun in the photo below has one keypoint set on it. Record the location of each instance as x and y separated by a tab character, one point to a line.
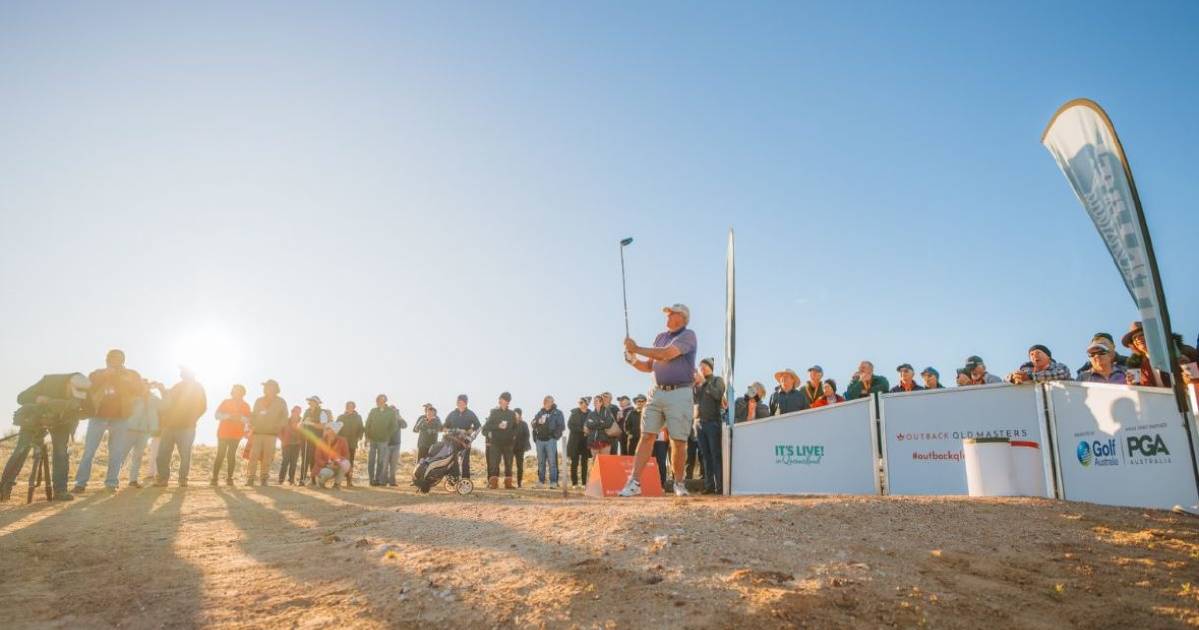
211	353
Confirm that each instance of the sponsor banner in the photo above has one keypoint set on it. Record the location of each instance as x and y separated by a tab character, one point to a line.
1084	144
1120	445
923	432
828	450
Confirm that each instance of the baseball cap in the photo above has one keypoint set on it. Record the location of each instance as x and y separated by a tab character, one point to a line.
678	308
639	398
816	368
974	358
315	399
901	367
463	398
1101	343
931	370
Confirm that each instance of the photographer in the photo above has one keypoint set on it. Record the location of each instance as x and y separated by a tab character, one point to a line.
54	404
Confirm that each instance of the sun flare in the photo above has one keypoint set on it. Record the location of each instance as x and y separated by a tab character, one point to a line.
209	351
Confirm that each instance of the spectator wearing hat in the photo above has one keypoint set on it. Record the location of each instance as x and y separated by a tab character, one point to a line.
547	427
750	406
463	419
932	378
1141	367
576	444
1040	368
500	431
866	382
671	359
907	379
787	399
976	368
381	424
311	427
52	405
183	405
292	441
113	390
1119	360
267	418
830	397
814	388
352	429
426	428
1103	367
710	401
233	417
632	422
521	443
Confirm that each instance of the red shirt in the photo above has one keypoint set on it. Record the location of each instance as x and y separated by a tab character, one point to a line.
326	452
823	401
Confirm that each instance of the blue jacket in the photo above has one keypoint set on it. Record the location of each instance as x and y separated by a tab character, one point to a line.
548	425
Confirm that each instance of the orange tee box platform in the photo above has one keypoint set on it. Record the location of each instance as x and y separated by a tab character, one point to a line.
610	473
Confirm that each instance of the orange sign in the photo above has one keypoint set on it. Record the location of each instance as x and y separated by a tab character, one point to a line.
610	473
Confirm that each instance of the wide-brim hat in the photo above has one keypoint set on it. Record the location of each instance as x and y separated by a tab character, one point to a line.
778	376
1137	328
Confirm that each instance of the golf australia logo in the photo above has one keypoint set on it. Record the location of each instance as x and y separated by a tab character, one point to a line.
1097	453
798	454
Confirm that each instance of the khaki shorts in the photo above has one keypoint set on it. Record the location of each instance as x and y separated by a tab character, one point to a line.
672	408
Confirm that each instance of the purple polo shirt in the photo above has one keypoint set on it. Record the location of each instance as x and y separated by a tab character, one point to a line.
677	371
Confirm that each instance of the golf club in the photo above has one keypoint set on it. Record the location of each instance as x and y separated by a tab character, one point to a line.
623	290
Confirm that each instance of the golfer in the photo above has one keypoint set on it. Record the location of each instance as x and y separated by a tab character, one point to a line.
672	362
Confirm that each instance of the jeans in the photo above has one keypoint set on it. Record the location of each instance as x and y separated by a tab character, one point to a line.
330	472
393	462
291	456
376	462
547	457
152	457
710	448
226	454
96	427
135	449
172	438
26	438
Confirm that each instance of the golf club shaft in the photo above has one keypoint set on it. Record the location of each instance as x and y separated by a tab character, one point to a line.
624	293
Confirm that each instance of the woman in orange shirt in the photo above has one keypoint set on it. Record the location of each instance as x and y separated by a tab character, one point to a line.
233	413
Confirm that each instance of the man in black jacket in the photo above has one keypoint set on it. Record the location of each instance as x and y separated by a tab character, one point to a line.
576	444
463	419
352	430
521	443
500	431
548	426
54	404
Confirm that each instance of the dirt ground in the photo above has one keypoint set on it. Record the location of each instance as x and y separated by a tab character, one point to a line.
372	557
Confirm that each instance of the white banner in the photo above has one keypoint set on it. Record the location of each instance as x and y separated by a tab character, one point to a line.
923	433
1120	445
1084	144
828	450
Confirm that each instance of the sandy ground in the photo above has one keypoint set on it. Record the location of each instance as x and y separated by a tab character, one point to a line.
368	557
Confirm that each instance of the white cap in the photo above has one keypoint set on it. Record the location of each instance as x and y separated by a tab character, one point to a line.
678	308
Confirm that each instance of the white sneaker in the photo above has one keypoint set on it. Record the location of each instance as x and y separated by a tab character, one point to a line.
680	489
631	489
538	486
553	486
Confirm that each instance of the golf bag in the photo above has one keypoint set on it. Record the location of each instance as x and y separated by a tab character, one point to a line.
445	458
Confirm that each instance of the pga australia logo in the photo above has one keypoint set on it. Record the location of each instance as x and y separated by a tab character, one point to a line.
1097	453
793	454
1147	449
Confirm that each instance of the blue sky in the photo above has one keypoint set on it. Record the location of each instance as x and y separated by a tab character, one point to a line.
426	199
